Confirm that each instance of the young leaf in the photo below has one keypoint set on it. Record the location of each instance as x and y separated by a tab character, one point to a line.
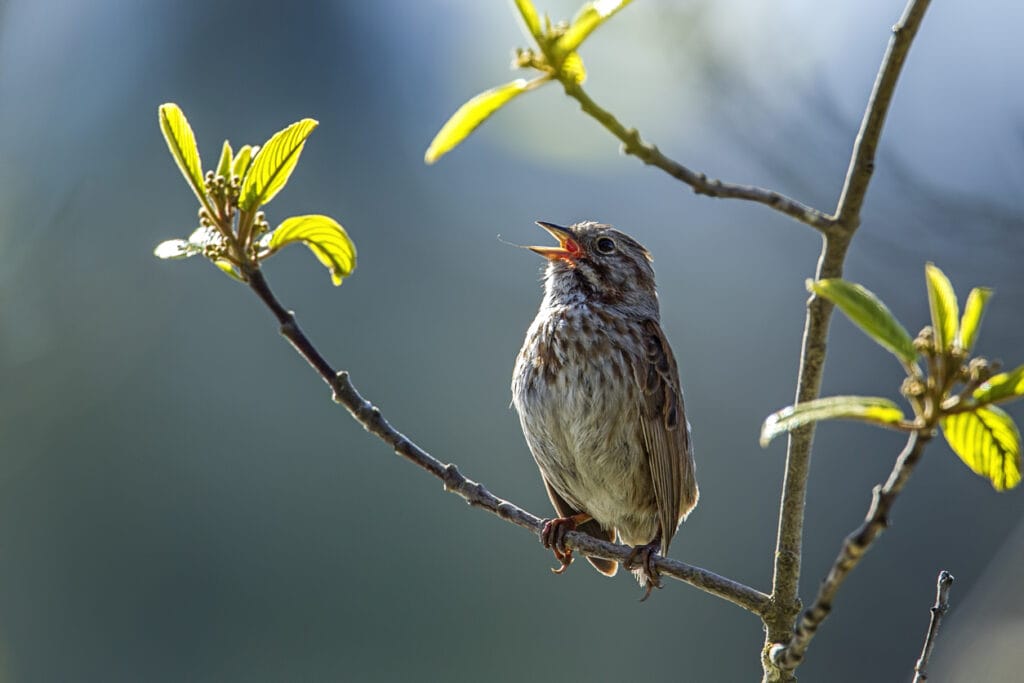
590	16
325	238
572	66
470	115
174	249
1005	385
974	309
942	302
988	442
274	164
242	160
224	166
880	411
182	143
867	312
530	18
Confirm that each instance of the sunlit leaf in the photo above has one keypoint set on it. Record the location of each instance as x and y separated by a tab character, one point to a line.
229	269
943	305
224	166
974	309
988	442
590	16
472	114
243	160
867	312
572	66
1001	387
274	164
182	143
530	18
324	237
175	249
880	411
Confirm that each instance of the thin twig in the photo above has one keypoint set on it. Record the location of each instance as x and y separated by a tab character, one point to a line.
635	145
942	587
785	604
853	549
476	494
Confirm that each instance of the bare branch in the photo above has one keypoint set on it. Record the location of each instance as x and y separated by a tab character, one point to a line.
476	494
786	578
853	549
635	145
942	587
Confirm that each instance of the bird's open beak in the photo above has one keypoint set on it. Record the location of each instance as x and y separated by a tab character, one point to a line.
567	248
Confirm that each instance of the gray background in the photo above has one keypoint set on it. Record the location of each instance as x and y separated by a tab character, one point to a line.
180	500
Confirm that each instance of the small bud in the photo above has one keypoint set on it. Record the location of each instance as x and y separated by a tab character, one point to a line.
925	342
912	388
979	370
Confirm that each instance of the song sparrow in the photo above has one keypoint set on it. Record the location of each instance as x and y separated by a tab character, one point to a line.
598	396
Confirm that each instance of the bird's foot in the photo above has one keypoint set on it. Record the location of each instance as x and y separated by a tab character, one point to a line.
552	536
641	563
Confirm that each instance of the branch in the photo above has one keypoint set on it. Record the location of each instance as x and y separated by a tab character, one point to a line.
938	611
635	145
786	578
856	544
476	494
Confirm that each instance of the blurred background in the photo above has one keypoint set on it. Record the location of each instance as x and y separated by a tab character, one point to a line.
179	498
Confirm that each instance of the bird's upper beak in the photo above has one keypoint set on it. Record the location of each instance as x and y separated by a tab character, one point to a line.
567	248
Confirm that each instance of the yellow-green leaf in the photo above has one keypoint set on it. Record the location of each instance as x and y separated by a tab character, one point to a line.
873	409
274	164
224	166
1005	385
243	160
229	269
988	442
974	309
530	18
869	313
470	115
182	143
572	66
325	238
943	305
590	16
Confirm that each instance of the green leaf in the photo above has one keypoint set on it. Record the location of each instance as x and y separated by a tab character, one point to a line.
325	238
243	160
867	312
1005	385
224	166
572	66
182	143
228	268
873	409
942	302
472	114
530	18
590	16
988	442
274	164
974	309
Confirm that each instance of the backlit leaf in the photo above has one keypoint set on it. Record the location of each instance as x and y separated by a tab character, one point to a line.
974	309
867	312
988	442
224	166
943	305
530	18
472	114
274	164
1005	385
572	66
880	411
243	160
590	16
325	238
182	143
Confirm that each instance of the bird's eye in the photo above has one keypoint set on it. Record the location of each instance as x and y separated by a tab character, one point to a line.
605	245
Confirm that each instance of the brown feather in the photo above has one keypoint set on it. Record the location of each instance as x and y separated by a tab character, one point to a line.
592	528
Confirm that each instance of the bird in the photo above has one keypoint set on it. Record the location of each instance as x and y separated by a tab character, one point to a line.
597	391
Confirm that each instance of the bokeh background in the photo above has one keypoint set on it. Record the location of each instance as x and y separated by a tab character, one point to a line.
181	501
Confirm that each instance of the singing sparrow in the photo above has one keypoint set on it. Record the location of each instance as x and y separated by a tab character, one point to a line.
598	396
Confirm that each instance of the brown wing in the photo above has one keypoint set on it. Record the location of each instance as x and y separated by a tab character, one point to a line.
665	431
606	567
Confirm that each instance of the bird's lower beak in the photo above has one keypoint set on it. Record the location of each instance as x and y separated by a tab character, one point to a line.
567	247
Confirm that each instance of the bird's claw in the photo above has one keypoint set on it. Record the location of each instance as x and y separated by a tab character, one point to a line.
552	536
641	561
